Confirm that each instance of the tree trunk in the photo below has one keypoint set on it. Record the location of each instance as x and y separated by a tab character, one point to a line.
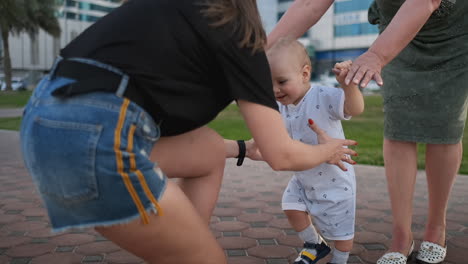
6	59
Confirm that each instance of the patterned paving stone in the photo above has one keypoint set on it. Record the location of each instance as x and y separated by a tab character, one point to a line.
245	260
25	226
72	239
227	211
237	242
12	241
30	250
97	248
20	260
10	218
92	259
248	221
57	258
4	260
290	240
254	217
277	251
369	237
263	232
460	241
122	257
230	226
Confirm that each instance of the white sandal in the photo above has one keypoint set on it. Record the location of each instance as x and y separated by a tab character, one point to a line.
395	257
431	253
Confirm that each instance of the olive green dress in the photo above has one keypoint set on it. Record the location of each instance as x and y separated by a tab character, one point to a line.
426	86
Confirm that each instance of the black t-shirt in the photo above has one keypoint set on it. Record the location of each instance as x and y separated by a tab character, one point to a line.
186	70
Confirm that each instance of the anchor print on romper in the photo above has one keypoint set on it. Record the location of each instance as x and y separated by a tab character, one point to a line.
317	106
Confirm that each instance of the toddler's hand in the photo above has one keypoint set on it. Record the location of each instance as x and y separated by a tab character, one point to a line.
340	70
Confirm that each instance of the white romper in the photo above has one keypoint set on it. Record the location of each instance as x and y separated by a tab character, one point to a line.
326	192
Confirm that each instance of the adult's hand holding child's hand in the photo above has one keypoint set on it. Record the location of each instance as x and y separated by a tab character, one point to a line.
340	70
365	68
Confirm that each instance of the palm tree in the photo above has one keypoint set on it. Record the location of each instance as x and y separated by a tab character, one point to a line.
29	16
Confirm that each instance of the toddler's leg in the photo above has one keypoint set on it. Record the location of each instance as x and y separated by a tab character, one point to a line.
340	254
314	246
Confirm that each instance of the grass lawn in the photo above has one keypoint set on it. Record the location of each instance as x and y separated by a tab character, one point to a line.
10	123
12	99
367	128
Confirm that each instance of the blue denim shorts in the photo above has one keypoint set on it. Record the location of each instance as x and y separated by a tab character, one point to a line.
89	157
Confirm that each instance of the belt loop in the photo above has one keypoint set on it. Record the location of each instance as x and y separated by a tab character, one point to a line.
54	66
122	86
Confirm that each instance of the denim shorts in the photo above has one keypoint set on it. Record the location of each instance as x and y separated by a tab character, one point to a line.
89	157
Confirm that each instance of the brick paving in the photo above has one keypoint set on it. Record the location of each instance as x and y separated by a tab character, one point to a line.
247	222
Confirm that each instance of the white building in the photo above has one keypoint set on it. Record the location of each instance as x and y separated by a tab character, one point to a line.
32	55
342	33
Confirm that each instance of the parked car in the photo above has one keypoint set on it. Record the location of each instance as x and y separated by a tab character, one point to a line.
17	84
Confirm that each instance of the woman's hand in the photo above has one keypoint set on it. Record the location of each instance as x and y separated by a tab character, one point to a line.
365	68
337	147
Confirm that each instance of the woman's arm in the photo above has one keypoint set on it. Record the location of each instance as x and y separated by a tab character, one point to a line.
409	19
300	16
404	26
283	153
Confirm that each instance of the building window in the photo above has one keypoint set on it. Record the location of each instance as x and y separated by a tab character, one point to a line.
351	5
355	30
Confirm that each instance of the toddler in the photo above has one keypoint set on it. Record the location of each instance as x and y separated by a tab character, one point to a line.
326	192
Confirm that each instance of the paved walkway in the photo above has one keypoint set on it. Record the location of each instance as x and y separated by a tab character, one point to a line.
247	221
11	112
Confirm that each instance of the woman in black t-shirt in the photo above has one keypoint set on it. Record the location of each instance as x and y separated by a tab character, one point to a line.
153	73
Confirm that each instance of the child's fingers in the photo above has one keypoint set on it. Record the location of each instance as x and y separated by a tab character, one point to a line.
343	72
336	71
343	64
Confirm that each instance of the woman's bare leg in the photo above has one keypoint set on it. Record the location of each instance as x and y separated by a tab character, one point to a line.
198	159
442	164
400	168
178	236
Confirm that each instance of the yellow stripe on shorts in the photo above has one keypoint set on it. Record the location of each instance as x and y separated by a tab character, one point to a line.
141	178
120	167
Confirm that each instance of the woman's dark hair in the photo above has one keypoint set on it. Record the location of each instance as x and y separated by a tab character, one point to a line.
243	16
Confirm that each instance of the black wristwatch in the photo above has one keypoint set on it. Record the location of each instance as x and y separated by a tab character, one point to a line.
242	150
